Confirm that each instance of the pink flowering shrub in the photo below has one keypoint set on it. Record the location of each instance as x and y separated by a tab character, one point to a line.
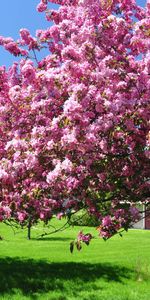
74	128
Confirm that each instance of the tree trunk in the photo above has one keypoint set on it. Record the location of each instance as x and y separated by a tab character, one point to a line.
29	229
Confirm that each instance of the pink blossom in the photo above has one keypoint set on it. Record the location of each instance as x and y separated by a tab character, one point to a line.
28	72
41	6
12	48
107	221
59	216
72	183
67	165
86	238
21	216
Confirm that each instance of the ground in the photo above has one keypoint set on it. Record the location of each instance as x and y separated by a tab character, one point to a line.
44	269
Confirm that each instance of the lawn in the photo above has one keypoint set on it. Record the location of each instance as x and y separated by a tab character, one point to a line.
44	269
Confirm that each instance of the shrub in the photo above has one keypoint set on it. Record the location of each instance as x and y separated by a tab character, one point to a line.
83	219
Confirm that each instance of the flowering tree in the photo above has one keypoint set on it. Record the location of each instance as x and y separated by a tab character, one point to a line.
75	125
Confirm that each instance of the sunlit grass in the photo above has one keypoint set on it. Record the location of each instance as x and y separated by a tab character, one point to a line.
118	269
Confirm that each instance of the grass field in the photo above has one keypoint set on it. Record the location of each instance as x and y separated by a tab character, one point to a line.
44	269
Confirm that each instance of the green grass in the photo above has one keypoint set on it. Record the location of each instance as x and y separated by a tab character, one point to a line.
44	269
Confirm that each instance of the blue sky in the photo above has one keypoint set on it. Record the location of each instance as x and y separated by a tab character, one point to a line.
16	14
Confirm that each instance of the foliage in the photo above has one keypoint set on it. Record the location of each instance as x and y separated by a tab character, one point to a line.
83	219
75	126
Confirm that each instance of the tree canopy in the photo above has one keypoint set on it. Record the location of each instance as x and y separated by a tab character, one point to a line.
75	125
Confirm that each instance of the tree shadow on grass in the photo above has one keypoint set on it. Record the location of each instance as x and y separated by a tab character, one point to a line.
31	277
60	239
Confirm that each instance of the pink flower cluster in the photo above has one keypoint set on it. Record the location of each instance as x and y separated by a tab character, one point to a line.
85	238
121	219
